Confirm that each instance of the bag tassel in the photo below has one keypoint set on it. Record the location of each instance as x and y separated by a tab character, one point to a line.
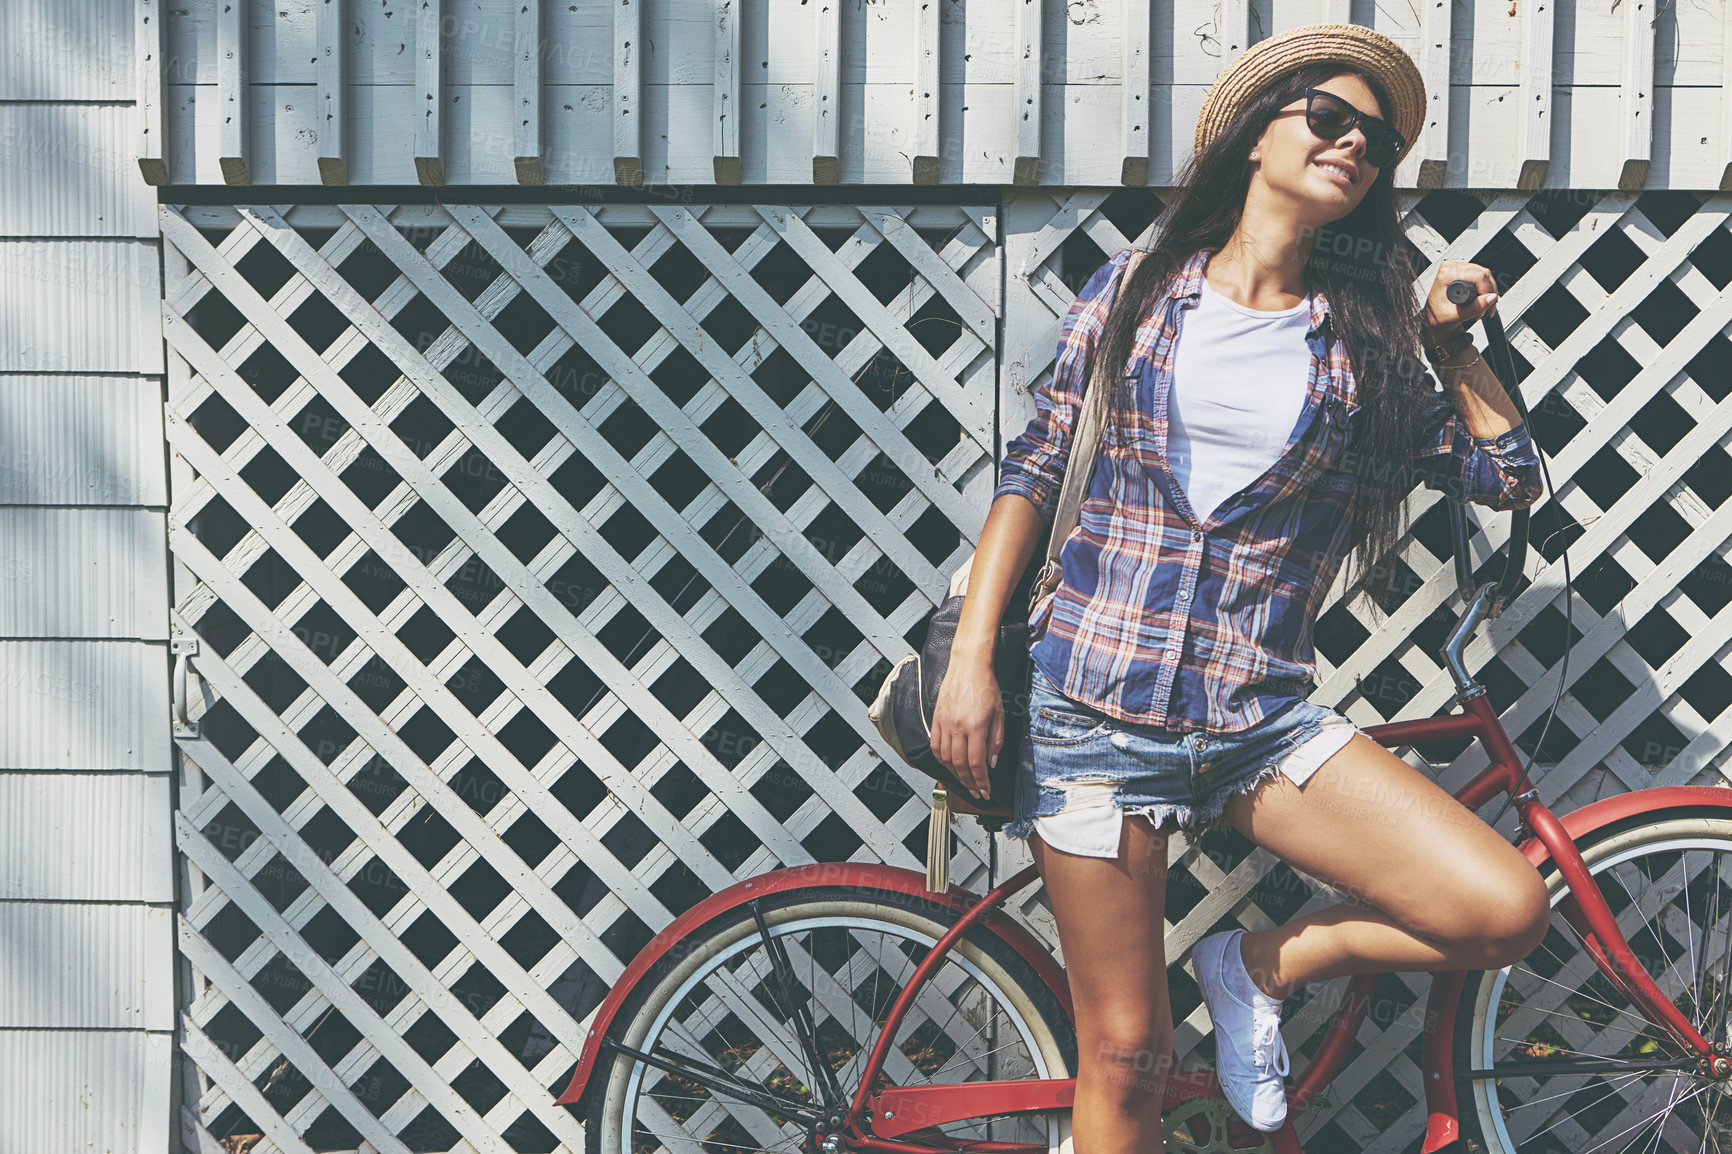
938	842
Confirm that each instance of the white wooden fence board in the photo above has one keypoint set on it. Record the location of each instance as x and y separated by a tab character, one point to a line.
1082	147
577	45
626	108
329	51
234	91
725	93
282	133
1673	53
526	92
827	112
430	81
147	119
479	41
380	139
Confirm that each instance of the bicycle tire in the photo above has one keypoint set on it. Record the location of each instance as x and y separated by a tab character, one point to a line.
1679	841
619	1080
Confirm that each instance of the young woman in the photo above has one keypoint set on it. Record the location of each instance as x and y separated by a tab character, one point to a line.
1272	414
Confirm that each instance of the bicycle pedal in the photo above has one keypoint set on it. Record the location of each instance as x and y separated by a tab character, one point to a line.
938	842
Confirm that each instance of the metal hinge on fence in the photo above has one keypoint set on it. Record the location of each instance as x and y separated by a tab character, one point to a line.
183	648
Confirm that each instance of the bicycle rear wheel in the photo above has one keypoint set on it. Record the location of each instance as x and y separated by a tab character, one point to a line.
1574	1067
748	1032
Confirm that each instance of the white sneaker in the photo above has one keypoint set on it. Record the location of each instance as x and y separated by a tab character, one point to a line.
1250	1054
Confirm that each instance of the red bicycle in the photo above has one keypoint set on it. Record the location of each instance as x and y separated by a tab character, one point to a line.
844	1007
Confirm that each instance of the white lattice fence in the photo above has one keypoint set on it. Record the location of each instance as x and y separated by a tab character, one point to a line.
1618	308
542	563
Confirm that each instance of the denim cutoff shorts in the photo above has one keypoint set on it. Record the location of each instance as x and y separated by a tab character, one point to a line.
1083	770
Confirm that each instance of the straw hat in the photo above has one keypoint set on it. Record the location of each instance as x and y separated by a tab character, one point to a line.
1354	46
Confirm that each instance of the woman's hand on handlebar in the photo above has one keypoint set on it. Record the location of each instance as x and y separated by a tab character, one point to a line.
968	724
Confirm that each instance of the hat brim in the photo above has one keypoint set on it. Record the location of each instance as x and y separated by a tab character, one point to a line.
1353	46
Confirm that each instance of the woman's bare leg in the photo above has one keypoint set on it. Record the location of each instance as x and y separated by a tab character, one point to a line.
1110	926
1445	890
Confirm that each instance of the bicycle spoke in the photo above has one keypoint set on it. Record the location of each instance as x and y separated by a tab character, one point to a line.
1589	970
1721	993
795	1012
758	1037
1569	1093
1573	1018
1558	1008
1648	922
1623	1081
1672	1103
1690	934
701	1074
1651	922
1697	1092
983	1054
1561	1049
1709	1023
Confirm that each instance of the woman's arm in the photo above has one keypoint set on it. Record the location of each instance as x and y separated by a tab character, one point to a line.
1008	541
1477	395
1033	468
1034	460
1473	443
968	720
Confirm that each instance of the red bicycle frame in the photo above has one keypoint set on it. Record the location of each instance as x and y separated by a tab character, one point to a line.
899	1111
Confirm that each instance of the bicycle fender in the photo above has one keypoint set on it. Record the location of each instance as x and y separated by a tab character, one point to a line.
819	875
1597	815
1443	1126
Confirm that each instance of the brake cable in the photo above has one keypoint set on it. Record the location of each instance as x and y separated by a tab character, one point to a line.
1460	292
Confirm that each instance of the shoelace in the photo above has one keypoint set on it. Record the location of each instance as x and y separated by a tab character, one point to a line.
1268	1038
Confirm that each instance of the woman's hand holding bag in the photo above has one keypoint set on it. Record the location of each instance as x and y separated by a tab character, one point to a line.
968	724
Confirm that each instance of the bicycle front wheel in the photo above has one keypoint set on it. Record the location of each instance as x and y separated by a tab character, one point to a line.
753	1033
1565	1062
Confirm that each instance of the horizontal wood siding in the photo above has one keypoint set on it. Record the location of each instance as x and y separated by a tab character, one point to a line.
87	974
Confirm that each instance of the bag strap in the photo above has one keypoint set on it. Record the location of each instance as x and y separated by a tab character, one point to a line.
1084	450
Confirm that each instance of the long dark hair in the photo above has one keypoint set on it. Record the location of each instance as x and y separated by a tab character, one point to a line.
1360	262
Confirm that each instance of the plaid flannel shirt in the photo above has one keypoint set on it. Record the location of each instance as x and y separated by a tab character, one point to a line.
1162	621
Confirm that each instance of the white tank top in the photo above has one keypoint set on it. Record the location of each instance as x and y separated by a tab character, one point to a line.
1239	382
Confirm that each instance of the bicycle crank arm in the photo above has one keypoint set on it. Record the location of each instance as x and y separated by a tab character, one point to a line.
721	1083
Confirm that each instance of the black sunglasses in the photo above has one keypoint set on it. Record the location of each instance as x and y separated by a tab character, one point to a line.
1331	118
